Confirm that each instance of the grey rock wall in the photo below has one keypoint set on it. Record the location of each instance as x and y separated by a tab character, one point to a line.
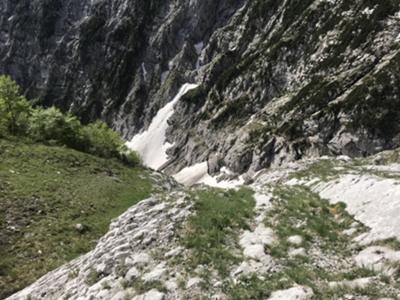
279	80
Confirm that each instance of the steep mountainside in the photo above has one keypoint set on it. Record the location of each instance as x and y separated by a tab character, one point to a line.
320	229
278	80
230	94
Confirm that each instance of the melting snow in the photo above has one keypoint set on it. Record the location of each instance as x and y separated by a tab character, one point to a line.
199	47
192	175
198	174
151	144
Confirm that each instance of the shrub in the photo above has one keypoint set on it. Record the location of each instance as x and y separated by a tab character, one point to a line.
51	124
14	108
101	140
3	120
131	158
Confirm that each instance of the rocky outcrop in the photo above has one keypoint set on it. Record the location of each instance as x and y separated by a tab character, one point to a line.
279	80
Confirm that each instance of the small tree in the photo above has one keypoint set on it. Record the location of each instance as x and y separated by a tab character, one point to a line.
52	124
101	140
15	109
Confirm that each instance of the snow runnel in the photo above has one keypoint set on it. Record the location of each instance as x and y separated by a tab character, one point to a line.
151	144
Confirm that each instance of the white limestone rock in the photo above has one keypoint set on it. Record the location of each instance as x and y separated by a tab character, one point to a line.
379	259
296	240
294	293
151	295
297	252
192	282
373	201
132	274
155	275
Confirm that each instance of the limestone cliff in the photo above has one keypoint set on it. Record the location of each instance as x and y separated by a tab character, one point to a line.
279	80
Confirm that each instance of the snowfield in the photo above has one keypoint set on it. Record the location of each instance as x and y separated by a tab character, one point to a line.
198	174
151	144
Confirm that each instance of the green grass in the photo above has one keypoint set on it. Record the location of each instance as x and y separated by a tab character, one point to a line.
142	287
298	211
325	170
331	168
212	232
317	218
253	287
92	277
44	192
392	243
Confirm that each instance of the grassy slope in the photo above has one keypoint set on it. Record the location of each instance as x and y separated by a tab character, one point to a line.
212	233
44	192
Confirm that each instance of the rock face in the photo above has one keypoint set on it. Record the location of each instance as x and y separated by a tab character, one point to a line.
107	59
279	80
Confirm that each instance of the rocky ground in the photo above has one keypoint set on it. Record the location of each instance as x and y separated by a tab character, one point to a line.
320	229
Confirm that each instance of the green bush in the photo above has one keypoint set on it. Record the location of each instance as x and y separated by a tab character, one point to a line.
3	120
14	108
131	158
51	124
101	140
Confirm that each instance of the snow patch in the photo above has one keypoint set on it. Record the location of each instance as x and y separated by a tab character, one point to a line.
151	144
199	47
198	174
191	175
